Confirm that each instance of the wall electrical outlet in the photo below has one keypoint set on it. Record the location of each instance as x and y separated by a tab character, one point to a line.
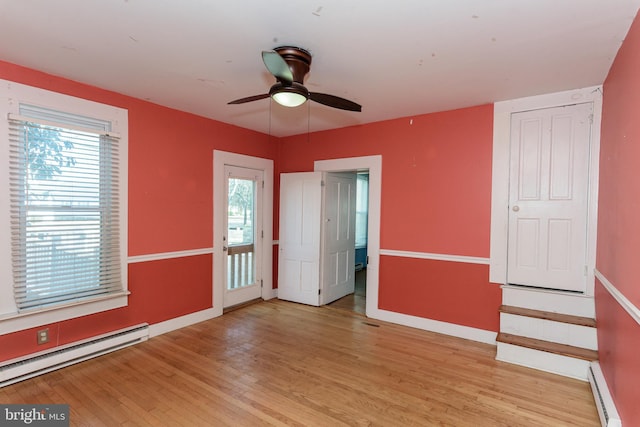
43	336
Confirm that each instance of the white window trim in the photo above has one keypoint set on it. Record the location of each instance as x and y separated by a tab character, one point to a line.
11	95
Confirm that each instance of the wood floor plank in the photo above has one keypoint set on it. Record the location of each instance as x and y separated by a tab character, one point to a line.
282	364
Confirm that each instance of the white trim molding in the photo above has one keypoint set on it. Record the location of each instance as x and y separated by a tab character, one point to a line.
181	322
436	257
14	322
629	307
460	331
169	255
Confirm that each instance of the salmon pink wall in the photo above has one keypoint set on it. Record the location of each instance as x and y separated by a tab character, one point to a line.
170	209
451	292
436	197
619	227
170	176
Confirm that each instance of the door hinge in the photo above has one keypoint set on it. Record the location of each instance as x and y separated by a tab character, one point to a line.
586	270
319	291
591	118
321	183
262	184
262	234
261	284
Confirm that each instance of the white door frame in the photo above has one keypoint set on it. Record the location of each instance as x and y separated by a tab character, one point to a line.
500	174
220	159
374	165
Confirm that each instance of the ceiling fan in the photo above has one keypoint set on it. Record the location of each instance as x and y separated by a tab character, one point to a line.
289	65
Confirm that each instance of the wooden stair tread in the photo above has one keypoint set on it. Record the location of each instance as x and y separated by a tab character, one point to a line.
548	346
548	315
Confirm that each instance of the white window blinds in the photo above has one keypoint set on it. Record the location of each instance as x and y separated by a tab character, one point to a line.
64	208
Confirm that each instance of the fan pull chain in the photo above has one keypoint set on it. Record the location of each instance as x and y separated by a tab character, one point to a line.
308	121
270	103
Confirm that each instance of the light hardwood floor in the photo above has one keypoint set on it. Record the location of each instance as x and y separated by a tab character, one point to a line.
279	363
357	301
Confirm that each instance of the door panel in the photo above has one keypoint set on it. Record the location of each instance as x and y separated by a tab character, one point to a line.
299	243
529	162
548	197
339	218
528	242
562	167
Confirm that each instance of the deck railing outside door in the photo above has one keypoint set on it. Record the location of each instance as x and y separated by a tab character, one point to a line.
240	269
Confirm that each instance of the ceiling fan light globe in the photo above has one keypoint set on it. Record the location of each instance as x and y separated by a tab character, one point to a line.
289	99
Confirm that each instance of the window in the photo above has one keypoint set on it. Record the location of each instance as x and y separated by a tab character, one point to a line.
66	186
64	214
362	209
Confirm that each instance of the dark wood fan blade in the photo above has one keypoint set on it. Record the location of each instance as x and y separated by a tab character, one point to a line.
277	66
335	101
249	99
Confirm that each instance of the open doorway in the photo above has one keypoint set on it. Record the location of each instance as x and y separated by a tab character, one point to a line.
372	164
356	301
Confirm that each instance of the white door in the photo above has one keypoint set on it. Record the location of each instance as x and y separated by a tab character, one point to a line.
548	192
299	242
339	220
243	225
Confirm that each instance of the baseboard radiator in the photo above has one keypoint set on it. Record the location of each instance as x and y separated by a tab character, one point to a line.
604	402
22	368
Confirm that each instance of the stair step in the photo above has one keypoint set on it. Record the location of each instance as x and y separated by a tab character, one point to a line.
537	299
548	346
548	315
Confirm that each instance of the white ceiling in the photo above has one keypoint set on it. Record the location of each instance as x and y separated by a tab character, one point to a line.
396	58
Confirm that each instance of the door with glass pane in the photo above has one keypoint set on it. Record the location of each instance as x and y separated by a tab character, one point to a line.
243	227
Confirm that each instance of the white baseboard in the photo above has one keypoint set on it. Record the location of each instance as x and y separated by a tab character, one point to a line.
466	332
270	294
181	322
193	318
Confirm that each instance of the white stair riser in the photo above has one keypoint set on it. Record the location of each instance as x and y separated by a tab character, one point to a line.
549	301
548	330
541	360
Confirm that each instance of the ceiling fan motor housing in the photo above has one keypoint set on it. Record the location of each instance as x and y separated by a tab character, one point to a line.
298	60
289	65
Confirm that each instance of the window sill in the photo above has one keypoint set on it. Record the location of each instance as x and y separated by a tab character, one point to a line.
13	322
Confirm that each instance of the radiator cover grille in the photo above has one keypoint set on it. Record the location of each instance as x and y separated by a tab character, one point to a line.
606	408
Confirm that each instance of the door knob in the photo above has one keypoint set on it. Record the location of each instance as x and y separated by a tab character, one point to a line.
516	208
